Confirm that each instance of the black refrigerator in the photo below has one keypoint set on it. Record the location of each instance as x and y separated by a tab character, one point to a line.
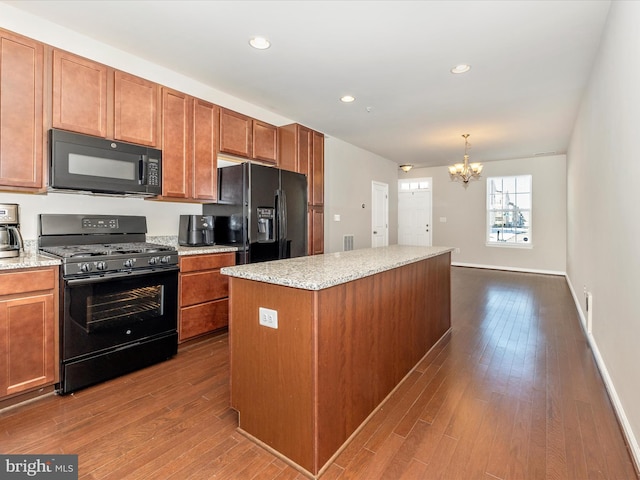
261	210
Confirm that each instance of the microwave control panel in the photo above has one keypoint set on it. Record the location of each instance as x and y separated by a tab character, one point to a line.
153	177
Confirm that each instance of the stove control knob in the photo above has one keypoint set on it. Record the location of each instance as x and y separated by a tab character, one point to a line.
101	265
130	262
85	267
165	259
153	260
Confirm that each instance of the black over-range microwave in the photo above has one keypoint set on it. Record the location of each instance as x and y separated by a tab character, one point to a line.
93	164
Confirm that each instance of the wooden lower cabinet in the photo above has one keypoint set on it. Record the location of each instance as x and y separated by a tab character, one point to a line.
315	233
28	330
204	294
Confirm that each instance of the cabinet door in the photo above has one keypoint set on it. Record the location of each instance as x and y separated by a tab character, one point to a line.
79	94
265	142
27	343
21	98
315	233
205	154
135	109
202	287
317	169
305	155
235	133
287	155
176	145
203	318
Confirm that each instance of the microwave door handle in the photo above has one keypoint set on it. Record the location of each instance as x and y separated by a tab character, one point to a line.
142	170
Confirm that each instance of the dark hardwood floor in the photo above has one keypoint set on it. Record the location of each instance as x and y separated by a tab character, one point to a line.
512	393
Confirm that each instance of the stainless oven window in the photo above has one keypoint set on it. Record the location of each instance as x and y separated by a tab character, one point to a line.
109	310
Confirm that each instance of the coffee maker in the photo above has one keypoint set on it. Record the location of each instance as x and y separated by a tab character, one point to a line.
195	230
10	238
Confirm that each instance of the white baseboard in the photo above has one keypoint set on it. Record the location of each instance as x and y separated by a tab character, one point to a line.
510	269
611	390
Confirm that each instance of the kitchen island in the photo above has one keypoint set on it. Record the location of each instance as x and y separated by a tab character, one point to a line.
343	330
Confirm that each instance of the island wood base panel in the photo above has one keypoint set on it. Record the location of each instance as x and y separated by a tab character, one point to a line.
304	388
331	460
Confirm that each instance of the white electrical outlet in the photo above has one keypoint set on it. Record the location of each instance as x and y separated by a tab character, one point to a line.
268	317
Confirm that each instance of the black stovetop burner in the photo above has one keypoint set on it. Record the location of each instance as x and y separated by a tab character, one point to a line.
102	244
106	249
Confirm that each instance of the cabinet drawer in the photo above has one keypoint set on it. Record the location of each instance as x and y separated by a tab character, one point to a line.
22	281
202	287
194	263
204	318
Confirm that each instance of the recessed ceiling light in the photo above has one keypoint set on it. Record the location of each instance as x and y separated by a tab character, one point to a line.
260	43
347	99
462	68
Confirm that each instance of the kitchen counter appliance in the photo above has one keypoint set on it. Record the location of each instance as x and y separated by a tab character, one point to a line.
261	210
10	238
118	296
195	230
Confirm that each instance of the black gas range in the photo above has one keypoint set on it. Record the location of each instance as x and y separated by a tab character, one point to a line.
101	244
118	296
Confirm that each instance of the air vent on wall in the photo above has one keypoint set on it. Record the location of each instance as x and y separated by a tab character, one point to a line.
347	243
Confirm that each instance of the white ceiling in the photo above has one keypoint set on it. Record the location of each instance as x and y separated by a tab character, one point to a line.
530	64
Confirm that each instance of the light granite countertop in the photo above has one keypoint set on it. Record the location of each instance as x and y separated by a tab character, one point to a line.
323	271
29	259
173	241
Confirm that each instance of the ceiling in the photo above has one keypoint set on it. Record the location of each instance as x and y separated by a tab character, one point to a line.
530	61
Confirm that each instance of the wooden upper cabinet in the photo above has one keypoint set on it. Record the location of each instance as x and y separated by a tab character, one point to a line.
79	94
135	109
94	99
189	147
176	143
305	155
302	150
21	111
295	148
236	133
205	151
317	169
265	142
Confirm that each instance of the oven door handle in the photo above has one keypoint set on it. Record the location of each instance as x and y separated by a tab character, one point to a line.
116	275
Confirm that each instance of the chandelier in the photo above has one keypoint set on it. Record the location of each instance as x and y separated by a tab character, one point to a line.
465	171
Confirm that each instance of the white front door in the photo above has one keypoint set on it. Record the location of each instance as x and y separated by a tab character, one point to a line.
414	212
379	214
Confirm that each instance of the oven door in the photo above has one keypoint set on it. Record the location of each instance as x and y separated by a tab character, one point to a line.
100	313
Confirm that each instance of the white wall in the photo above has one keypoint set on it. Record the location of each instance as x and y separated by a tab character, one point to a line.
603	201
465	214
348	173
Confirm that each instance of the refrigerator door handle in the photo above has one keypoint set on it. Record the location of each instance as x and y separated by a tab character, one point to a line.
281	202
284	214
